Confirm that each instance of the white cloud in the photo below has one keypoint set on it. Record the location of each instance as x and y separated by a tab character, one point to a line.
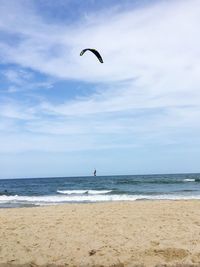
16	77
23	80
142	44
149	83
12	110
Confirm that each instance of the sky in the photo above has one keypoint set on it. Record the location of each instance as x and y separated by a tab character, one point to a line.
64	115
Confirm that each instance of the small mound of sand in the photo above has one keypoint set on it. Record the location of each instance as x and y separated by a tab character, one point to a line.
169	254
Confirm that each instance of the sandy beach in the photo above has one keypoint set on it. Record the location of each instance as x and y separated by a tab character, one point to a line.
141	233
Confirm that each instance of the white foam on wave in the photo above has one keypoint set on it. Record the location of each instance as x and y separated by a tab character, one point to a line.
53	200
65	198
189	180
79	192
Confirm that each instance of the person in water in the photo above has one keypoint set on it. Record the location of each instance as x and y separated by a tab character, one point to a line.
95	172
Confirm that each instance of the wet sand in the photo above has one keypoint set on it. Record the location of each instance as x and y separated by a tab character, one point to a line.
140	233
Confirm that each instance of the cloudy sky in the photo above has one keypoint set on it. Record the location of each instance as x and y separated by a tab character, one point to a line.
62	114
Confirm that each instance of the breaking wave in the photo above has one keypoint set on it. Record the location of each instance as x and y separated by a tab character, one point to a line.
189	180
79	192
53	200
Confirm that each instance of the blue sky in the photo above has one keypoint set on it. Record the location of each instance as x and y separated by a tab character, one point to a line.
62	114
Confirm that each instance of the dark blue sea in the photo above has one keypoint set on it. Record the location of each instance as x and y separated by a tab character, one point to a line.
54	191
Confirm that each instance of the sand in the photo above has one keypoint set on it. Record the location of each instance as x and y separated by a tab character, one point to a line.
141	233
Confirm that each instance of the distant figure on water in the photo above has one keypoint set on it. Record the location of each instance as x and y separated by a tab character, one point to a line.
95	172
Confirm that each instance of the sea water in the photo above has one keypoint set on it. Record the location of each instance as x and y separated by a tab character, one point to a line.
54	191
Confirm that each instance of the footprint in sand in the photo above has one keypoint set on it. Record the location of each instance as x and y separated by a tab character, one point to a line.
155	243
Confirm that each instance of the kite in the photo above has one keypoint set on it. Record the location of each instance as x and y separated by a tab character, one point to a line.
95	52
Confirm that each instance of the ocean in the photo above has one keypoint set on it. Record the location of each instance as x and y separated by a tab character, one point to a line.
53	191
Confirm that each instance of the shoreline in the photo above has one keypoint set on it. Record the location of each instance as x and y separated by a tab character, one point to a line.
96	202
32	205
128	233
